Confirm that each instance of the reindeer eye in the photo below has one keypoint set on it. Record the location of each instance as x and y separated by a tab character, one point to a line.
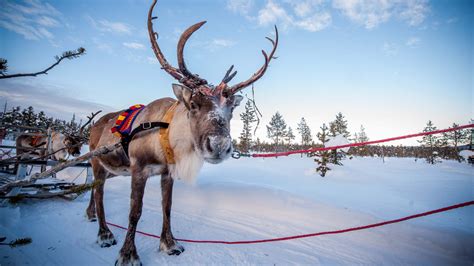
194	106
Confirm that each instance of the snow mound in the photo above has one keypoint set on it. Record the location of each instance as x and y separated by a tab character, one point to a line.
338	141
466	154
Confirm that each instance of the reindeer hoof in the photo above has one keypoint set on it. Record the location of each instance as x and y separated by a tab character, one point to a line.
128	261
106	240
91	218
175	249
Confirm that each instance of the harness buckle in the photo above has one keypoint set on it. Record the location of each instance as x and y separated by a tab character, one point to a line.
146	125
236	154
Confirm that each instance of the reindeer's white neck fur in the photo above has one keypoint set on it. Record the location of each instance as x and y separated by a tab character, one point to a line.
188	160
57	143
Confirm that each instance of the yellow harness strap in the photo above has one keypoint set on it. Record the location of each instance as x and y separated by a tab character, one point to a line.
165	137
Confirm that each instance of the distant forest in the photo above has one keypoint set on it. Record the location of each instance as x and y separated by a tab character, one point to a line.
28	117
283	138
432	148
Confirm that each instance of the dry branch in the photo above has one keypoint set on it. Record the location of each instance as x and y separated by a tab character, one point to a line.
61	166
66	55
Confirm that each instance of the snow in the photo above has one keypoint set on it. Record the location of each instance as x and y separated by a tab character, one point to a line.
337	140
253	198
466	154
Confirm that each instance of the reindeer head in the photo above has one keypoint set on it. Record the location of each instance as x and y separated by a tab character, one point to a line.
209	107
74	141
73	144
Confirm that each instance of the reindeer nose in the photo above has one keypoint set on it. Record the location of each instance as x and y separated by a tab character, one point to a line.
218	145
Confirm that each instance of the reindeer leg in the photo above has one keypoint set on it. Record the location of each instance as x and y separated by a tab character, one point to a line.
90	212
128	253
167	242
105	237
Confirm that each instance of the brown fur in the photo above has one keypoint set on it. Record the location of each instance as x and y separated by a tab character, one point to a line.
207	119
24	143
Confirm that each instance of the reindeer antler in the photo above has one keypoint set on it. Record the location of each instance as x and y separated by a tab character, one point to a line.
88	121
257	75
193	81
181	43
182	74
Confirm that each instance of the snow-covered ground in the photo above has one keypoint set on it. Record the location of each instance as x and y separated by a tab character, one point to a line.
264	198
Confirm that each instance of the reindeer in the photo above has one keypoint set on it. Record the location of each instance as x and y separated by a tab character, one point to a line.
198	132
63	144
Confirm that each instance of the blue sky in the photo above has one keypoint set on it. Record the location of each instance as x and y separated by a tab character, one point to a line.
389	65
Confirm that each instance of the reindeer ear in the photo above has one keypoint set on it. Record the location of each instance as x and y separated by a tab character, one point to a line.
236	99
183	94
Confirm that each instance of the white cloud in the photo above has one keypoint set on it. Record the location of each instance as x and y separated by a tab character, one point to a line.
214	44
151	60
371	13
415	11
452	20
306	18
47	97
222	43
390	49
316	22
31	19
305	8
115	27
413	42
134	45
47	21
273	12
240	6
110	26
103	46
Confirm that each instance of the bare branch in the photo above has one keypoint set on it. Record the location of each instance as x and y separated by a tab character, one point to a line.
66	55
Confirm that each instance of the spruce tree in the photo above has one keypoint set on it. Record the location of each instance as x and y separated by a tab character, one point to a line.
322	157
455	138
248	118
430	143
361	136
29	117
276	129
338	127
305	133
289	136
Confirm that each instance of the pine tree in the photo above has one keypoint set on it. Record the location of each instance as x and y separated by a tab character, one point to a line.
248	118
72	126
455	138
276	129
431	143
305	132
322	157
29	117
339	126
12	118
362	137
289	136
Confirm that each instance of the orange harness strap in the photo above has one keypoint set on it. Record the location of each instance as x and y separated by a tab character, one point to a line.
35	140
165	137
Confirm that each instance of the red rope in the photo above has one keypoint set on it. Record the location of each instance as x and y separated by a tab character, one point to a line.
452	207
361	143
